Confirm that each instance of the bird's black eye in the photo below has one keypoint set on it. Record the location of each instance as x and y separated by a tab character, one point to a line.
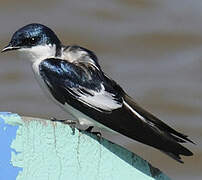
29	41
33	40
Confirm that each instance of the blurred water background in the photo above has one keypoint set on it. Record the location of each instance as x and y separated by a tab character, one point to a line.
152	48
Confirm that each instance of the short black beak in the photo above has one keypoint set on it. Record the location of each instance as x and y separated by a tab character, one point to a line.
9	48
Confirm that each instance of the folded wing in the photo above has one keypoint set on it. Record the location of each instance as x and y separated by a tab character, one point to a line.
82	82
87	89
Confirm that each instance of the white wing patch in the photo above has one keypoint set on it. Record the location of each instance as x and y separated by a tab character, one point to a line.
77	55
73	56
101	100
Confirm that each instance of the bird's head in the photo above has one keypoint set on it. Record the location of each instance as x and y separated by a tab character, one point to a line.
36	40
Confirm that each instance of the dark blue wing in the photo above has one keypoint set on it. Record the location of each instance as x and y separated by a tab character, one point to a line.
82	82
88	90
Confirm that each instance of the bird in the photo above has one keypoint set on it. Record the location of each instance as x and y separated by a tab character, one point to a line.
72	77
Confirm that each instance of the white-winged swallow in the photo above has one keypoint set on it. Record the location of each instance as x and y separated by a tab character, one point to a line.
73	78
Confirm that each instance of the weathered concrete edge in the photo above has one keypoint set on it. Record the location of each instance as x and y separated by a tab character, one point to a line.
137	162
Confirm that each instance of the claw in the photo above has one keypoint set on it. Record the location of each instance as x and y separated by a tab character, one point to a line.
71	123
89	130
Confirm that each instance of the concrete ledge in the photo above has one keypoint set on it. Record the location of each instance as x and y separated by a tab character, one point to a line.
46	150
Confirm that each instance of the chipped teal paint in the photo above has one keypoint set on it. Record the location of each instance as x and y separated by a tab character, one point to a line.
7	134
50	151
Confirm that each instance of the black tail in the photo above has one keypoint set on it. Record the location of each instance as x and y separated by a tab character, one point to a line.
176	156
160	135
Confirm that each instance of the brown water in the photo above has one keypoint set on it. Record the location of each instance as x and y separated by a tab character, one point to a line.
153	48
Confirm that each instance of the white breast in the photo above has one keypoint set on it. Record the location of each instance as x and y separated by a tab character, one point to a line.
83	119
39	52
36	55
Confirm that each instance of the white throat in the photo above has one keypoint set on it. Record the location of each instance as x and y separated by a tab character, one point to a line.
38	53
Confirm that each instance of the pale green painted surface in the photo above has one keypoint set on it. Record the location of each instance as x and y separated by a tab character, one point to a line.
50	151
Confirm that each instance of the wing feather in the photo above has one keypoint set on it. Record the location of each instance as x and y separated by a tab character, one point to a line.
157	122
86	84
82	84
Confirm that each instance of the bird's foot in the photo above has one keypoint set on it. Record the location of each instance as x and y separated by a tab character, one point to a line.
89	130
71	123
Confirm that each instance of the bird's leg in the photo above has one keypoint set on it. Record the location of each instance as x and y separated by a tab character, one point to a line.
65	121
71	123
89	130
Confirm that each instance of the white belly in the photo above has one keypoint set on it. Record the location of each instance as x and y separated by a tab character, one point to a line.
83	119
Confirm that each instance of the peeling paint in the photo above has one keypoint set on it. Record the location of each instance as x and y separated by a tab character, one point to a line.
47	150
7	134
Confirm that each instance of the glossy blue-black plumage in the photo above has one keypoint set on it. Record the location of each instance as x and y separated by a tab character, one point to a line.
67	81
60	76
32	35
68	74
